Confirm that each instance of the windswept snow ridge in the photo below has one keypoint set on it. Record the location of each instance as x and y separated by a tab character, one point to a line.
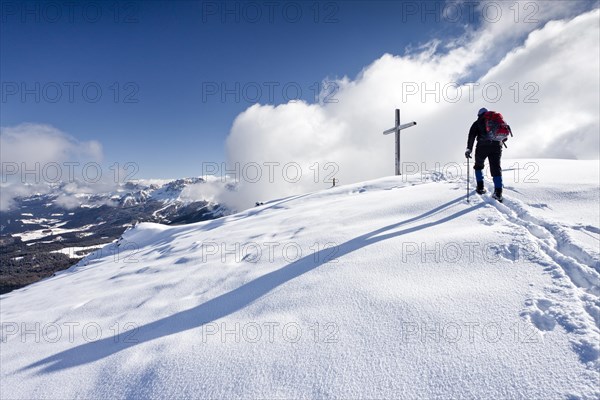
392	288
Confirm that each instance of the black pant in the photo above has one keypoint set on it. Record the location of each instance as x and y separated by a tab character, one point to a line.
492	151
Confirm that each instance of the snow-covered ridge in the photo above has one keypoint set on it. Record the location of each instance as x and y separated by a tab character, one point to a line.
390	288
77	193
166	200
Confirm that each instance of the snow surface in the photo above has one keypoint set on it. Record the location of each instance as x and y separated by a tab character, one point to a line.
402	290
51	230
72	252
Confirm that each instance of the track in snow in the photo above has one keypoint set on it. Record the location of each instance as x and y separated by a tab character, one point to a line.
574	301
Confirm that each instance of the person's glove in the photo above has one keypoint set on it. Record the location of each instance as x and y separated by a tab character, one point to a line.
468	153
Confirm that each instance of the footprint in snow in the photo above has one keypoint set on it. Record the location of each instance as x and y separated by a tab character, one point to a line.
487	220
539	205
544	304
542	321
509	251
540	315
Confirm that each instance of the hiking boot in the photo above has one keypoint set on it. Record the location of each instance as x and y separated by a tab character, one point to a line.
498	194
480	188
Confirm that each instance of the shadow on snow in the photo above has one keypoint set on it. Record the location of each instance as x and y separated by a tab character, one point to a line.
233	300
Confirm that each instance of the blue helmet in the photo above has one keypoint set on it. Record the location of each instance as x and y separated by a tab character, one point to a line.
481	111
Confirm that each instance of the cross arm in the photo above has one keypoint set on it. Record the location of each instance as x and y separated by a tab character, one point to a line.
399	128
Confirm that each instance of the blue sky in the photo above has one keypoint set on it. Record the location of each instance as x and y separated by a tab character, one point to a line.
165	56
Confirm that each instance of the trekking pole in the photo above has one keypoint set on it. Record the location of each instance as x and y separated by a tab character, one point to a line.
468	179
511	135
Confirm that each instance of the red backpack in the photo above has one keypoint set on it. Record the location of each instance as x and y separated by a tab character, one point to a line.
495	127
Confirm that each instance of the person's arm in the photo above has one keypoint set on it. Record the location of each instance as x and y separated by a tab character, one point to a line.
472	135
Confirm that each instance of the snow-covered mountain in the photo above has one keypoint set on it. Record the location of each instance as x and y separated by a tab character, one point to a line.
164	198
392	288
46	230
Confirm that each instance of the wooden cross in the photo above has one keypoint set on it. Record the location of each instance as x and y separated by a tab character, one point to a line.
396	129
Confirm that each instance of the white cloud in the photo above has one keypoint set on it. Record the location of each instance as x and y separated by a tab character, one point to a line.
560	58
34	156
12	190
563	60
68	202
37	143
208	191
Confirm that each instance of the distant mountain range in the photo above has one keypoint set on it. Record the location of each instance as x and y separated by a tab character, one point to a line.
47	232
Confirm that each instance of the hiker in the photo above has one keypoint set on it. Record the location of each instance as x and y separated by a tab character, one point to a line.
491	133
